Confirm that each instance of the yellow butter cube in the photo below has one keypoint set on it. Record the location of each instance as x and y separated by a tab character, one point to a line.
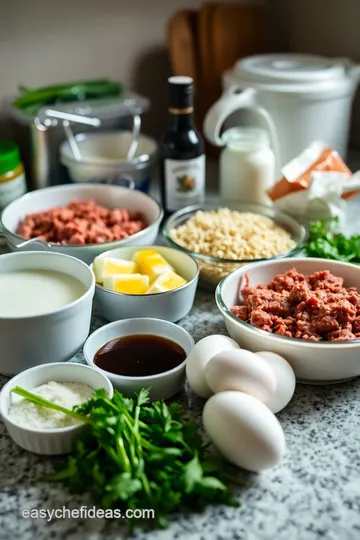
151	263
127	283
167	281
108	266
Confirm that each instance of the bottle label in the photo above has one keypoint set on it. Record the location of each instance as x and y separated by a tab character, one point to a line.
184	182
11	190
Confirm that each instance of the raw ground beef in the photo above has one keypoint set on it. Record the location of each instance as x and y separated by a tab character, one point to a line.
316	307
81	222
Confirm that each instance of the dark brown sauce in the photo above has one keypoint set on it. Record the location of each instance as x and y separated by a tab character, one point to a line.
139	355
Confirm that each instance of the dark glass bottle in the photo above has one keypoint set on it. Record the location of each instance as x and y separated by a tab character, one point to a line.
182	151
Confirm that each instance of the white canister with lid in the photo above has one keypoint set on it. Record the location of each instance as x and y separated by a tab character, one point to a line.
247	166
296	98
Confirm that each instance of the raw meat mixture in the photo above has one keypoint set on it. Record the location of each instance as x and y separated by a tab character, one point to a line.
316	307
81	222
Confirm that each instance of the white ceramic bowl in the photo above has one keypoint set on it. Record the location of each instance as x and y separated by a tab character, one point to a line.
162	386
106	195
170	305
54	336
104	154
313	362
48	441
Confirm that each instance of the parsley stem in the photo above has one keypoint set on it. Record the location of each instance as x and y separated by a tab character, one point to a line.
132	437
110	403
146	485
124	457
148	445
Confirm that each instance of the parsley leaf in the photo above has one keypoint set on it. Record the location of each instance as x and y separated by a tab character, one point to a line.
325	241
123	486
193	474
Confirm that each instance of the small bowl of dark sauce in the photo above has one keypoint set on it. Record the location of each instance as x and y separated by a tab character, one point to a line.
141	353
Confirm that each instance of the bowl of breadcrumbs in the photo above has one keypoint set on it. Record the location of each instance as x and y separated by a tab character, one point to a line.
224	237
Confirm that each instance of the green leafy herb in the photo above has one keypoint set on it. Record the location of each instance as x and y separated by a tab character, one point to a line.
32	99
327	242
140	455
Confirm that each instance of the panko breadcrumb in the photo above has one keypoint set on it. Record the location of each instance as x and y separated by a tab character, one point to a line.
229	234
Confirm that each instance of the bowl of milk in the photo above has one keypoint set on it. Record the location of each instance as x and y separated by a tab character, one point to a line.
45	308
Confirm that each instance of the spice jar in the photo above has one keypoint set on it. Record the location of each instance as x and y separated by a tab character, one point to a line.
247	166
12	174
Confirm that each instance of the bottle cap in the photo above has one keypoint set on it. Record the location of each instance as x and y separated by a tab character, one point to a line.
9	156
181	92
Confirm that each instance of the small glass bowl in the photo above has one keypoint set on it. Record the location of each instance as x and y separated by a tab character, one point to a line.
214	269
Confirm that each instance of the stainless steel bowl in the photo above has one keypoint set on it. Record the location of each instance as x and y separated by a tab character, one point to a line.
214	269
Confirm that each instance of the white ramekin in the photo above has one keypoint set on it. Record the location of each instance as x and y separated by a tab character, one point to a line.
163	385
54	336
169	305
49	441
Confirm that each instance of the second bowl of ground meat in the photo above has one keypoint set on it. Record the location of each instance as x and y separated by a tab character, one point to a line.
307	310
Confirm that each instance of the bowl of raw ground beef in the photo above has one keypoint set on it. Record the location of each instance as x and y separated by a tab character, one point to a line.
82	220
307	310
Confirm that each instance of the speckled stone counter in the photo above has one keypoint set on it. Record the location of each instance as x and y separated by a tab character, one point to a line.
313	494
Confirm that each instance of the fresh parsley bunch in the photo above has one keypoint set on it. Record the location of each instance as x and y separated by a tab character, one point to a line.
325	241
140	455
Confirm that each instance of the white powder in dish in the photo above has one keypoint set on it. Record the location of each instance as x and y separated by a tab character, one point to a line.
26	414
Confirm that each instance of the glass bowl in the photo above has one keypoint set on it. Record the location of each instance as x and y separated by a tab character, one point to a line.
214	269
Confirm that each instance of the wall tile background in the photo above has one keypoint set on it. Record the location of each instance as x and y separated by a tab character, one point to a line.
45	42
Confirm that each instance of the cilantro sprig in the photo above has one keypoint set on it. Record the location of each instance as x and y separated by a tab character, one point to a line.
140	455
325	241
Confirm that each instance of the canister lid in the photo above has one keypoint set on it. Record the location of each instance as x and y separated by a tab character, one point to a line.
290	69
9	156
106	109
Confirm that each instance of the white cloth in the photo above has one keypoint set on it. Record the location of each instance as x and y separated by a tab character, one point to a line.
322	199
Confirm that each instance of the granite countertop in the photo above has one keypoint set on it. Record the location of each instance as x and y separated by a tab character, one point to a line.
313	493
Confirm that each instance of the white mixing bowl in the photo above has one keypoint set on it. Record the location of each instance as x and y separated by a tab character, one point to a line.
103	158
105	195
317	362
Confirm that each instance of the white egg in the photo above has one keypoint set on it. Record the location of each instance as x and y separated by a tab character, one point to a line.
243	371
200	355
285	380
244	430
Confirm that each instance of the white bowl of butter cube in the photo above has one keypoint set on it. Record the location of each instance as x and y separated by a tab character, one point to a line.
145	281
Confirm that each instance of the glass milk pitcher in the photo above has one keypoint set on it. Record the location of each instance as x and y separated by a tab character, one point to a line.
247	166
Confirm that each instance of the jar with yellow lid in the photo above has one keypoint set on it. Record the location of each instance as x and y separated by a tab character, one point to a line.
12	174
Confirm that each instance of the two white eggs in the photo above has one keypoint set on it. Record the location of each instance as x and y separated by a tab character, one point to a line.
249	388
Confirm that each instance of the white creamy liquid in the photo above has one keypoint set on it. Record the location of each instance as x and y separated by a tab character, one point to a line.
247	166
34	292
